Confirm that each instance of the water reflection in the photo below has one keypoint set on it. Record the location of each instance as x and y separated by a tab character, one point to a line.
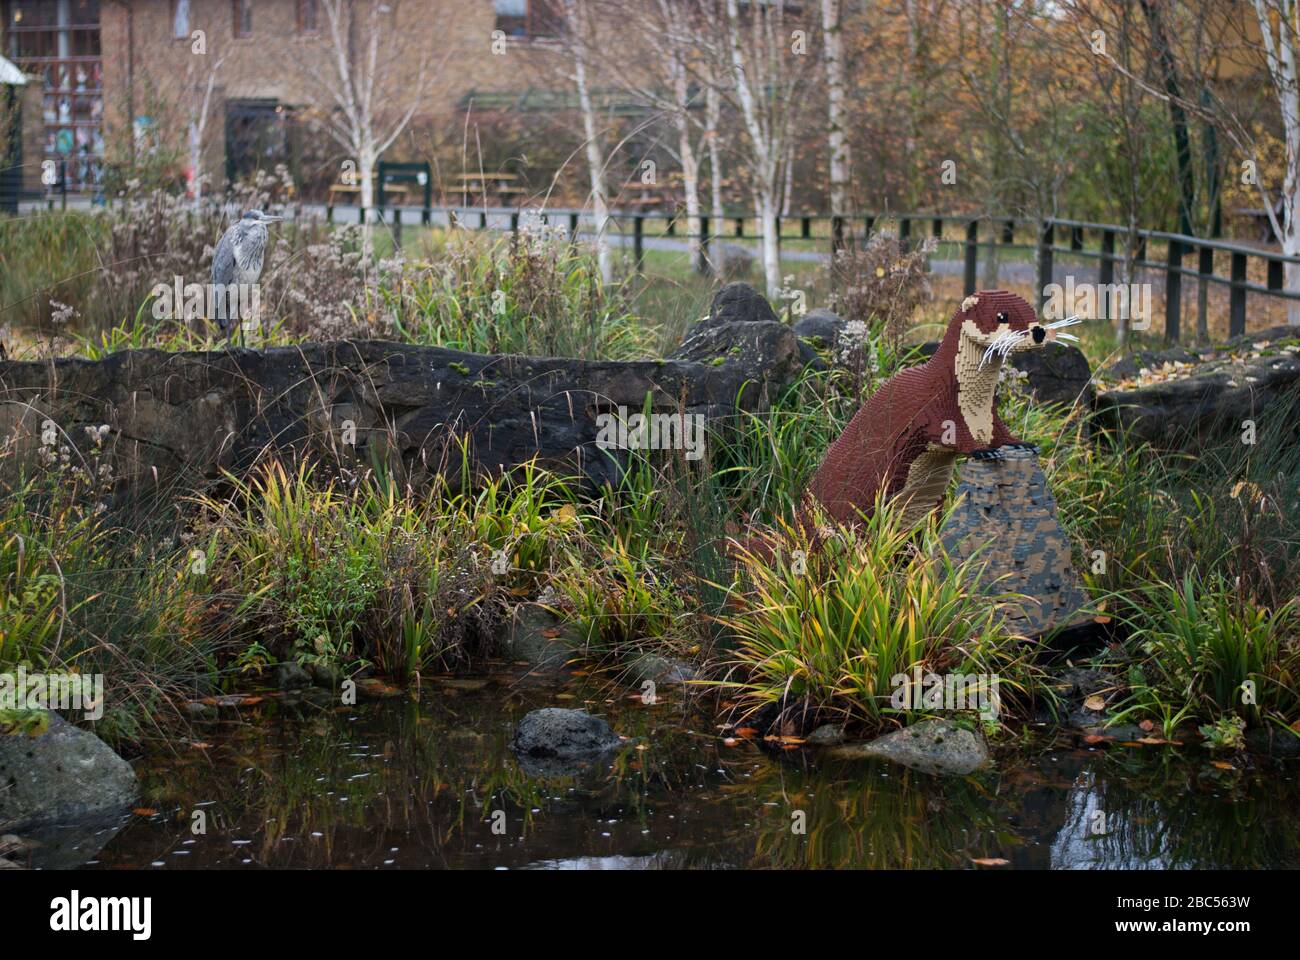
434	784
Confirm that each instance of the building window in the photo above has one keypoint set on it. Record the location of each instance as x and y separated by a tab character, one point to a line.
58	41
308	16
181	19
530	19
243	16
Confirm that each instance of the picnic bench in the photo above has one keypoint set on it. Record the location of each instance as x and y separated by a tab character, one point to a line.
500	186
352	191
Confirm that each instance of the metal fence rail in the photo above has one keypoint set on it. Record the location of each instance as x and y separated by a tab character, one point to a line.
1050	238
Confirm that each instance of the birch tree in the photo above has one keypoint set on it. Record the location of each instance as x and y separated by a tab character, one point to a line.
578	38
712	116
366	100
767	76
836	136
201	81
1279	26
676	80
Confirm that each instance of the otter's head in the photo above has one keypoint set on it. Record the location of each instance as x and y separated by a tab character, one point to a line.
1000	323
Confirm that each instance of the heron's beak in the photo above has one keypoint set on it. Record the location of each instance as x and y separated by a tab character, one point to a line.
267	219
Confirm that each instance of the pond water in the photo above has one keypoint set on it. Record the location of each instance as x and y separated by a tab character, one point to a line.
419	783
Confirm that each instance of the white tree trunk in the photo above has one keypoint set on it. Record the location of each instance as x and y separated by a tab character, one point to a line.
365	171
690	163
712	110
196	164
595	156
836	136
766	151
767	217
1280	54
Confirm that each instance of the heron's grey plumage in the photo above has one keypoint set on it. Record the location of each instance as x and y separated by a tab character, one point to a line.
239	257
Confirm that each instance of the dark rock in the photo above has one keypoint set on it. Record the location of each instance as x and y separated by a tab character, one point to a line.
743	333
66	846
731	261
1273	742
1210	400
1131	364
1117	731
739	303
65	774
821	326
827	735
1007	514
1056	373
931	746
196	414
539	637
201	711
557	732
657	669
322	674
291	676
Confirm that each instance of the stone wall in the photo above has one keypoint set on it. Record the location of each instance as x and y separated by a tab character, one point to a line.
196	414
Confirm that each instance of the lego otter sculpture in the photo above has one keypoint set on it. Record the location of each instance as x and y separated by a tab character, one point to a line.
906	438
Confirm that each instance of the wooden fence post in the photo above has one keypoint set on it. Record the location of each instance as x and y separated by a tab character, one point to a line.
972	256
1173	291
1046	239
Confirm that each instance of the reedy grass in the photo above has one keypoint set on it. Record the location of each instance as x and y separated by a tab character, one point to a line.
833	623
1205	652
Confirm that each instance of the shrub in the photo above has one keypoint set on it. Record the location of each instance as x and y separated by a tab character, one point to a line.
832	623
1208	653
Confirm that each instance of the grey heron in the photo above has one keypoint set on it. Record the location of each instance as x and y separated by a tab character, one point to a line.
238	260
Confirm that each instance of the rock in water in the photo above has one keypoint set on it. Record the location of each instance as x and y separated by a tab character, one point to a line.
931	746
65	774
1007	513
556	732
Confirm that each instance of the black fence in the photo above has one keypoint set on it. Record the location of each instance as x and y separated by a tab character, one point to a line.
1173	256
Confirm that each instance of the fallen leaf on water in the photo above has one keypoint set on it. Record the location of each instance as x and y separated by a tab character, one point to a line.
145	812
1096	702
1222	765
199	745
989	861
730	742
746	731
1094	738
1147	725
1158	741
550	633
564	696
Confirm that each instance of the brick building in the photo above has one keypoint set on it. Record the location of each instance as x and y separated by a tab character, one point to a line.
112	68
